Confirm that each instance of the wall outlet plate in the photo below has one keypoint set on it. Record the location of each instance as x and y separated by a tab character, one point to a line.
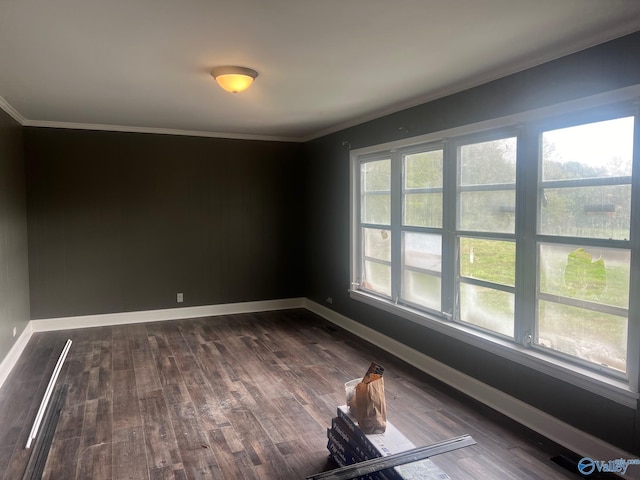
180	297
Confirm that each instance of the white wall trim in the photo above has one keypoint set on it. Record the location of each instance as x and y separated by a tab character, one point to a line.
108	319
25	122
10	360
562	433
12	112
102	320
158	131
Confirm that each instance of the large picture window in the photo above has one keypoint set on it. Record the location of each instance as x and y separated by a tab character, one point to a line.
520	233
584	254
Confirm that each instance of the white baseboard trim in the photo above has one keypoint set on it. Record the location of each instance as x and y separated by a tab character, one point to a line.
108	319
10	360
562	433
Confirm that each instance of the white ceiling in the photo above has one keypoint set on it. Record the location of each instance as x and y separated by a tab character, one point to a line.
143	65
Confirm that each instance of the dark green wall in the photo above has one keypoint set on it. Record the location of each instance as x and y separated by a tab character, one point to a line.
122	221
14	273
606	67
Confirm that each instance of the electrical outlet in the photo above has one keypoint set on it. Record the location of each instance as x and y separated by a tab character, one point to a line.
180	297
14	331
329	300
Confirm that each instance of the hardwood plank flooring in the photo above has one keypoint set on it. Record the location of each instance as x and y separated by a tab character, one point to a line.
236	397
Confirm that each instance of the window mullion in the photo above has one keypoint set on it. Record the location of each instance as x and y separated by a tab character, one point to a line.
356	222
449	242
526	230
396	224
633	335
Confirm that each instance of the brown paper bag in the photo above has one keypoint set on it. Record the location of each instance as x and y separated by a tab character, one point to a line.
371	409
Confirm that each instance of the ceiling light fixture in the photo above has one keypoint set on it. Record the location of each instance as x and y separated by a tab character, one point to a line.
234	79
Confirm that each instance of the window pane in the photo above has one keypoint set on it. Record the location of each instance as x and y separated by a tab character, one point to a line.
594	150
490	260
596	274
422	250
487	308
488	163
423	170
377	277
377	243
492	211
376	176
593	336
423	210
421	289
376	209
592	212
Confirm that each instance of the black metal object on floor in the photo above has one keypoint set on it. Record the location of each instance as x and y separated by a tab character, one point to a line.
40	449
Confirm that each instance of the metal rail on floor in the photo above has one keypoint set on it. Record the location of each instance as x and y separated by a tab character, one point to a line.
374	465
42	445
47	394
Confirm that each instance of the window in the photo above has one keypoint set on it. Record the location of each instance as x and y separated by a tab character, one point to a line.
375	190
518	236
421	237
486	258
584	253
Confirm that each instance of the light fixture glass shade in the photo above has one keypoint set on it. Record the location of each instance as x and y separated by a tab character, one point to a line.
234	79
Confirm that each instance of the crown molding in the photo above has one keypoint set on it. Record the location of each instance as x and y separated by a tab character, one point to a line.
18	117
481	79
158	131
477	80
12	112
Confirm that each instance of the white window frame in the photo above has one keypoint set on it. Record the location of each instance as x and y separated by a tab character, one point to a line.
623	390
493	134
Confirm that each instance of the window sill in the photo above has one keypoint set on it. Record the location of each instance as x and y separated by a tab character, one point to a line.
615	390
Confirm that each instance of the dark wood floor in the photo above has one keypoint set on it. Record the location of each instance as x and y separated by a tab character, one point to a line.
235	397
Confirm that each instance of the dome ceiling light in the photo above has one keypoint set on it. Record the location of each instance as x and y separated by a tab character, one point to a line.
234	79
